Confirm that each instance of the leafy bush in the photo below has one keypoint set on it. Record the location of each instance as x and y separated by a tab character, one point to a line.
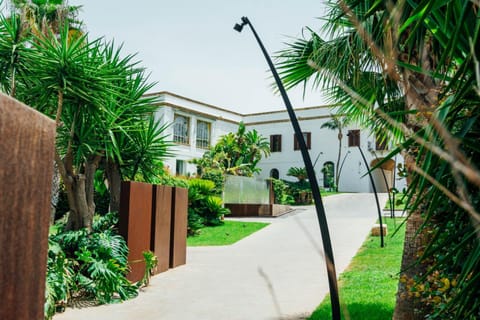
300	191
87	265
281	192
204	207
218	179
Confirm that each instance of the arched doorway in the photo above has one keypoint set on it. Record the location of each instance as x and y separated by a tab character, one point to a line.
328	171
274	173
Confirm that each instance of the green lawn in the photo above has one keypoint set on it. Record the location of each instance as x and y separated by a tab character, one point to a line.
400	202
325	193
368	286
225	234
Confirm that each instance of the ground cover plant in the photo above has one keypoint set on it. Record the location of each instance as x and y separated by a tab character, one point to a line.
90	266
225	234
367	288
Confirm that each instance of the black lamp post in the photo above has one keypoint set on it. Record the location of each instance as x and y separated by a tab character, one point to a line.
376	195
322	219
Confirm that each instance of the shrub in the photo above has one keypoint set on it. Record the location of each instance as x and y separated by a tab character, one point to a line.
281	192
204	207
218	179
300	191
88	265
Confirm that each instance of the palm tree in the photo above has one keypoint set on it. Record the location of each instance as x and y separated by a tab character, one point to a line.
337	123
299	173
410	69
236	153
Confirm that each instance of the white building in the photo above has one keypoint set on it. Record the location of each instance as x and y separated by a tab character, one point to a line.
196	125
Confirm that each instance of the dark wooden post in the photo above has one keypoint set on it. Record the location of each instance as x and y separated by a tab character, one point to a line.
161	222
178	246
27	141
135	224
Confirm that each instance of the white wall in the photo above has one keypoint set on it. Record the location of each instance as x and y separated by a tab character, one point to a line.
324	142
221	122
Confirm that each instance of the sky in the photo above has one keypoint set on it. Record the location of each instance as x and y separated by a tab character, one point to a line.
190	48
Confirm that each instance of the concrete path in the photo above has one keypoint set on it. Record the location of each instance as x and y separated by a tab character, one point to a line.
276	273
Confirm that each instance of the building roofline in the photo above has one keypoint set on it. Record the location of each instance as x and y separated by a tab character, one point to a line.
194	101
243	115
187	110
295	109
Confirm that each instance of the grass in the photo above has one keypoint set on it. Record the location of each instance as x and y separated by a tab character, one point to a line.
225	234
400	202
367	288
325	193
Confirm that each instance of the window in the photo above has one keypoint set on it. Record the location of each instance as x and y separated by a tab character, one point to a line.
180	129
307	136
180	168
203	134
353	138
276	143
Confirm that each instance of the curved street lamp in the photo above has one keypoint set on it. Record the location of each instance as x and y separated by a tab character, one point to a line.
374	192
322	219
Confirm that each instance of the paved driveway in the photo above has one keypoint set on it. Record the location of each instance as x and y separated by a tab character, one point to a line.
276	273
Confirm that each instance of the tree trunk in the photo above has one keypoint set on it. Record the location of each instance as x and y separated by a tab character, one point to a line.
114	183
421	94
337	168
80	191
54	193
405	308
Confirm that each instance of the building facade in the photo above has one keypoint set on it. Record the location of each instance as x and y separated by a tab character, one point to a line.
194	126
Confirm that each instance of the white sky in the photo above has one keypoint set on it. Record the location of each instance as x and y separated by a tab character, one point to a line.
190	47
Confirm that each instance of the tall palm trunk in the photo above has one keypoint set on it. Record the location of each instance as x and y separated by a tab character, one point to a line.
421	94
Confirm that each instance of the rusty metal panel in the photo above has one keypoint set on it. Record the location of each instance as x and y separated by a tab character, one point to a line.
27	141
135	223
249	210
178	249
161	226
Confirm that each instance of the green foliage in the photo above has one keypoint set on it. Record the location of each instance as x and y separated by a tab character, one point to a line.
217	177
204	207
151	262
329	176
168	180
96	95
235	153
280	191
300	191
299	173
88	265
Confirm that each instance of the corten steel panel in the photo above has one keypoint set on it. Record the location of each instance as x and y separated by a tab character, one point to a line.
27	141
135	223
161	224
178	247
249	210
